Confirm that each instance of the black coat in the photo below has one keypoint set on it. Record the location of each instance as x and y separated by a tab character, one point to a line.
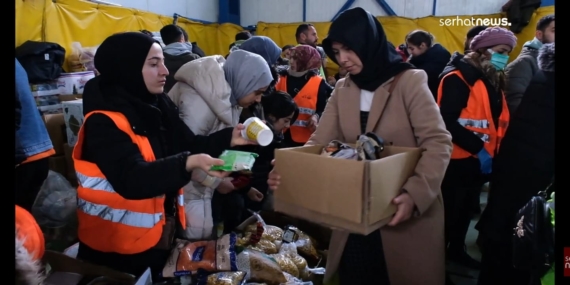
122	164
525	162
433	61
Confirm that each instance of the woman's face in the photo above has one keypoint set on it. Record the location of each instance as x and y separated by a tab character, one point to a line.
281	124
415	51
347	58
252	97
154	71
293	64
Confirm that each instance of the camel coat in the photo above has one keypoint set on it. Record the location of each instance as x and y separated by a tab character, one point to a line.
414	249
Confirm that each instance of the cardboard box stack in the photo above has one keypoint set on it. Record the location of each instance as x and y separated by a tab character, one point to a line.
346	194
52	99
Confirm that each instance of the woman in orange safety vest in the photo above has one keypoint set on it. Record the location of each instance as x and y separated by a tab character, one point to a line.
132	158
475	112
30	247
308	90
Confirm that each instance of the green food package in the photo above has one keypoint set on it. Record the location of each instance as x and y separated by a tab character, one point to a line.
236	161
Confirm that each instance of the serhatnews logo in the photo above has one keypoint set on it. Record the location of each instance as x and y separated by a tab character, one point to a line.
471	22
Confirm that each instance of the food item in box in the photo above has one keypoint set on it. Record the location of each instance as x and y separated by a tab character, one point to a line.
305	244
272	233
224	278
286	264
236	161
214	255
290	250
265	246
260	267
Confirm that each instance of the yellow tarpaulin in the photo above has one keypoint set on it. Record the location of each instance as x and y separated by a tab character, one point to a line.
68	21
450	33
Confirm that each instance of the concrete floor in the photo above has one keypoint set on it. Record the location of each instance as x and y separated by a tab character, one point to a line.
466	276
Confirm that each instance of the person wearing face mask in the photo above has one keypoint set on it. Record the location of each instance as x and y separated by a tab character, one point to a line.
270	51
211	93
133	157
309	90
177	52
410	248
425	54
475	112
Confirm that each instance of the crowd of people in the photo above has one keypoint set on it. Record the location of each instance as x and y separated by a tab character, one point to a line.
157	118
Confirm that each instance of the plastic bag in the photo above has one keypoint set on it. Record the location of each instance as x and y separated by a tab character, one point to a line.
260	267
266	247
223	278
272	233
286	265
292	280
189	257
290	250
56	203
82	58
305	244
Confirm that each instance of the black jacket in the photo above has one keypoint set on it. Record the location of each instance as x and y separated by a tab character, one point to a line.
294	85
173	64
433	61
525	162
122	164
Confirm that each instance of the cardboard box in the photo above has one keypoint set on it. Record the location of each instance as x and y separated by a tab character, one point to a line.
346	194
55	125
73	116
67	270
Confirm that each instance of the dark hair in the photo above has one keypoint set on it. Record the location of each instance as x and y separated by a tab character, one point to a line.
279	105
417	37
543	23
475	31
302	28
185	34
286	47
171	34
148	33
242	36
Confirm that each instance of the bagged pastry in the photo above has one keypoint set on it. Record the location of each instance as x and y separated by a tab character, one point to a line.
260	267
286	264
223	278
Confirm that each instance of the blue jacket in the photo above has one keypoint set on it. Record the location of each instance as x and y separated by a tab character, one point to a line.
32	136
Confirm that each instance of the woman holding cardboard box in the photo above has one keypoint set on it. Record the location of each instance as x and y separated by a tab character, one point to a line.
410	249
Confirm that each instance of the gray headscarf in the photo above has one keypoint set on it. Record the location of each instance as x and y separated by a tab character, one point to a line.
263	46
246	72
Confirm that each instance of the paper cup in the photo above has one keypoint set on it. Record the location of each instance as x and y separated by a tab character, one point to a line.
256	130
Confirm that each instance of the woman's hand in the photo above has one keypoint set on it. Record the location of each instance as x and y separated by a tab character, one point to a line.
405	205
313	123
254	195
274	178
238	139
205	162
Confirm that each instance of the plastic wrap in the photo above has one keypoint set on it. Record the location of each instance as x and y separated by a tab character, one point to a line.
56	203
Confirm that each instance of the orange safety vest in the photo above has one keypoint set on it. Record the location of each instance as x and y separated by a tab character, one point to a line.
477	118
107	221
306	100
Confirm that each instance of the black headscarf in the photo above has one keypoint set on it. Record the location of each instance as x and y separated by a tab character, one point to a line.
120	60
361	32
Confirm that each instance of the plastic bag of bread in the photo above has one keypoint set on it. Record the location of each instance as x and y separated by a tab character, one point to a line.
272	233
223	278
188	257
305	244
292	280
260	267
290	250
286	264
266	247
81	58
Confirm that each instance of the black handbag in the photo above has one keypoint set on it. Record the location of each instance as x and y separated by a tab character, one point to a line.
533	237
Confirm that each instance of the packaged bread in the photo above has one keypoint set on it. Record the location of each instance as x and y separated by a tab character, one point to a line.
260	267
286	264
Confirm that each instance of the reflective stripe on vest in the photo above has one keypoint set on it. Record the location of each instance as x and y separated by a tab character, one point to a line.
477	118
306	100
107	221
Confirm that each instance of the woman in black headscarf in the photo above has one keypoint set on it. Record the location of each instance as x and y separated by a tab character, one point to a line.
386	96
133	156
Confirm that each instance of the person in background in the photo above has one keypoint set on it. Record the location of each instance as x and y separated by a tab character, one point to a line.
524	166
403	51
340	74
30	248
286	51
34	146
239	39
177	52
271	52
411	118
469	37
521	71
195	48
280	112
425	54
475	112
133	157
306	34
211	93
309	91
